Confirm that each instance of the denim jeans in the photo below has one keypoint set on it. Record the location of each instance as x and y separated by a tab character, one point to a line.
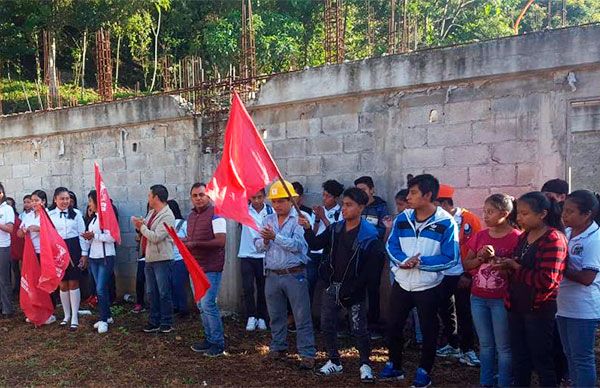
577	337
491	323
179	281
101	270
358	322
210	315
158	289
278	290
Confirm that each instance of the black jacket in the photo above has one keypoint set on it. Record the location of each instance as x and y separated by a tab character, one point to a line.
368	253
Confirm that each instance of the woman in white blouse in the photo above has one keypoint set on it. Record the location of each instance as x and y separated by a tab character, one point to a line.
101	262
30	224
70	226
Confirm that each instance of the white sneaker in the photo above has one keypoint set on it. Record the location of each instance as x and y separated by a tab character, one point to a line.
102	327
330	369
262	325
366	374
109	321
251	325
50	320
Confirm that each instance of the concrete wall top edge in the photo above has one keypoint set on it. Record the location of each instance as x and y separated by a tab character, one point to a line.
569	47
111	114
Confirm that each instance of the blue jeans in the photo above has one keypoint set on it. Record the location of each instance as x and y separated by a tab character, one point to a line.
158	289
491	323
278	290
210	315
102	270
577	337
179	281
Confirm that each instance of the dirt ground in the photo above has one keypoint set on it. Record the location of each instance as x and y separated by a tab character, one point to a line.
53	356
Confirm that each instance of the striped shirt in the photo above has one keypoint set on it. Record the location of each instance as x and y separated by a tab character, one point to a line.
544	274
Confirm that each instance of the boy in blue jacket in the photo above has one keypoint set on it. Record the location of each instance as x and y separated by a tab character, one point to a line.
423	242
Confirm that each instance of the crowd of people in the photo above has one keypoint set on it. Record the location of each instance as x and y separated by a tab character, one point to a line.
523	285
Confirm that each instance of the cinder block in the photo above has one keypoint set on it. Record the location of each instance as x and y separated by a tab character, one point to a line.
470	155
344	123
308	165
422	157
471	198
515	152
449	135
303	128
325	145
340	163
273	132
527	174
6	172
105	149
152	146
453	176
136	162
420	115
415	137
32	183
462	112
496	130
289	148
113	164
373	121
359	142
22	170
497	175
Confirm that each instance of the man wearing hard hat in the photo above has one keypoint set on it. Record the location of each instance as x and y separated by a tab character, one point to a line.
282	240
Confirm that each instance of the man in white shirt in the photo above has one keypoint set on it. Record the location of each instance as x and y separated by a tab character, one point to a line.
252	265
7	220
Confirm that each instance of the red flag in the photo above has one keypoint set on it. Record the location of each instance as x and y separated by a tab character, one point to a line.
106	214
54	254
199	279
35	303
245	168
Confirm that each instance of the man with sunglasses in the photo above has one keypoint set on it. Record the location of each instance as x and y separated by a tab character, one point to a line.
206	241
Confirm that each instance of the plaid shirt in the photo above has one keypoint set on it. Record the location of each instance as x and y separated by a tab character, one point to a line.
548	270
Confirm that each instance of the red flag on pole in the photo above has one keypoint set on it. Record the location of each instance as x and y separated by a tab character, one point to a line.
35	303
106	214
54	254
199	279
245	168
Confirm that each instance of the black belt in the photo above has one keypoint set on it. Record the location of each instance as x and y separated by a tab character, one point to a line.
288	271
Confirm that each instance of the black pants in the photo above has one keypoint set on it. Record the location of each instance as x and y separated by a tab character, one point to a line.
532	343
455	314
252	273
373	294
401	302
15	265
358	324
140	283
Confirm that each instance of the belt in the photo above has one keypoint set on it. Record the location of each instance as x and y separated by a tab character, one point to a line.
288	271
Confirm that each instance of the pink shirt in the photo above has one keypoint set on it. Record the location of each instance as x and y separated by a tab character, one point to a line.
487	282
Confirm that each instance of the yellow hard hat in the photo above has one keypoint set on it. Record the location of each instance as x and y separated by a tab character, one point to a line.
277	191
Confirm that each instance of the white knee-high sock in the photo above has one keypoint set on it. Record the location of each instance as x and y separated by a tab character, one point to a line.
75	296
66	304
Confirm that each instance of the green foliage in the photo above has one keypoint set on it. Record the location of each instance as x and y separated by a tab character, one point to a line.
289	34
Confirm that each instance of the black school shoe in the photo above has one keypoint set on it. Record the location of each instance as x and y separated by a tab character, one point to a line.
151	328
165	328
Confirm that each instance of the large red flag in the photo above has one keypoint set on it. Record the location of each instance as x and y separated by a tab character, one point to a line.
35	303
54	254
199	279
245	168
106	214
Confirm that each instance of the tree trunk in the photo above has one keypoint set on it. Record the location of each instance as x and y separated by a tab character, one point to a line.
117	62
53	77
156	32
83	56
549	14
38	66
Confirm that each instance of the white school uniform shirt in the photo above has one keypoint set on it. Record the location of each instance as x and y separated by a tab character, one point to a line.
32	219
69	228
458	268
103	244
7	216
331	217
247	248
574	299
23	214
181	229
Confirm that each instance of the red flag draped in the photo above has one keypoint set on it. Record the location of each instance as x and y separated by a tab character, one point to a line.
199	279
35	303
54	254
107	218
245	168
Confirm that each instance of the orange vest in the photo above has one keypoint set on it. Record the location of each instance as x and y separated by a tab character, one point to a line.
469	227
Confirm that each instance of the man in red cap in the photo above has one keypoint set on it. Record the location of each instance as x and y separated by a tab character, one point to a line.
455	305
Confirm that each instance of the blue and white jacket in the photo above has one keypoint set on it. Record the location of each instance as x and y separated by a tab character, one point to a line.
437	242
